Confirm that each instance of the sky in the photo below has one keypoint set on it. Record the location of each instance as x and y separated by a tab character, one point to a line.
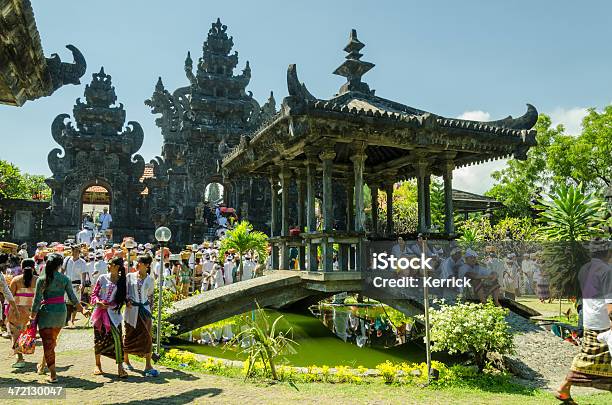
472	59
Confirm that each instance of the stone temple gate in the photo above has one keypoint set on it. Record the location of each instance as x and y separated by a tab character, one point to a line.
98	151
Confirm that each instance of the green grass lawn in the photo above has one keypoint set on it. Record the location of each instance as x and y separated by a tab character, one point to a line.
546	308
376	391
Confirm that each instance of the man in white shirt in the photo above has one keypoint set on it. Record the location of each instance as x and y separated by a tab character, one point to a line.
227	270
592	366
247	268
75	269
449	269
484	282
207	273
105	220
84	236
100	267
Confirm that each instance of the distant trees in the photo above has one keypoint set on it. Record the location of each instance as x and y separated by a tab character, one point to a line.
15	184
557	159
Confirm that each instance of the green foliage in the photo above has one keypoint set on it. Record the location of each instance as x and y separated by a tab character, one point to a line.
557	159
570	214
562	263
179	358
475	230
244	239
470	328
406	374
14	184
266	343
167	329
586	158
519	182
405	213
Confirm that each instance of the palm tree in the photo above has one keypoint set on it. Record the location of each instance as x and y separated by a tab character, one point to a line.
243	239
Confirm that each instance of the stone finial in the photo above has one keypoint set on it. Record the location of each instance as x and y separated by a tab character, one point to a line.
353	67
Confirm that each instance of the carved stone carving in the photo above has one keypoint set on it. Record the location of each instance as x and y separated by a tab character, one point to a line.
202	122
98	151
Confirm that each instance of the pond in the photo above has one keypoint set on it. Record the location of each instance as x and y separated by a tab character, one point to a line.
327	335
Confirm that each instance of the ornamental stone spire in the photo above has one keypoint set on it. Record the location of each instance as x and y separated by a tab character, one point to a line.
99	113
353	67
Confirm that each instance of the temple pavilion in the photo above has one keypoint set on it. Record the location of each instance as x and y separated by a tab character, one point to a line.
358	138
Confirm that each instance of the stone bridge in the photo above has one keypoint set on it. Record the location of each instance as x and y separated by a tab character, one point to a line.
290	288
276	289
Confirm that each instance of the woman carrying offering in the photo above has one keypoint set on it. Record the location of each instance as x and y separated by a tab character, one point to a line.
49	309
108	297
22	288
138	338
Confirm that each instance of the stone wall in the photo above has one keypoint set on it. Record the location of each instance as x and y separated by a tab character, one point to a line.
22	220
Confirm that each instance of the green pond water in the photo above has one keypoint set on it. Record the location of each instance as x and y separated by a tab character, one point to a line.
319	344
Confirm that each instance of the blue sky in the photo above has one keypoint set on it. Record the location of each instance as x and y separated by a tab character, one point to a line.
476	59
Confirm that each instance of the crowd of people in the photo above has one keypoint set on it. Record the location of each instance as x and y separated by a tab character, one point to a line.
111	286
494	272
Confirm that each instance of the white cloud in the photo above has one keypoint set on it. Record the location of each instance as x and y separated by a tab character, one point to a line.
570	118
477	179
476	115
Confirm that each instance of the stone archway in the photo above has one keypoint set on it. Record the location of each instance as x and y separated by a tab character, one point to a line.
214	192
95	197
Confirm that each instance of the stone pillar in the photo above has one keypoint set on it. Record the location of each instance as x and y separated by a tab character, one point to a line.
358	166
327	158
449	222
358	160
421	172
274	220
347	252
427	190
389	192
374	195
311	220
239	190
285	181
301	222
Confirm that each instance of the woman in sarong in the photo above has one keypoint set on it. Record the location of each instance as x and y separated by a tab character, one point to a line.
592	366
138	337
22	288
49	309
108	297
5	293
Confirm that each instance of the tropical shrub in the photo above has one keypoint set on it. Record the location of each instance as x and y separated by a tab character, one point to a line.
388	371
167	329
478	329
180	357
570	214
267	343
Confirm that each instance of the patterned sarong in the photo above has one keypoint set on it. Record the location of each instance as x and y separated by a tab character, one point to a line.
49	340
591	367
139	340
109	343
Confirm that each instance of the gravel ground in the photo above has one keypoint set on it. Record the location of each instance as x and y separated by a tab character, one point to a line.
541	358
